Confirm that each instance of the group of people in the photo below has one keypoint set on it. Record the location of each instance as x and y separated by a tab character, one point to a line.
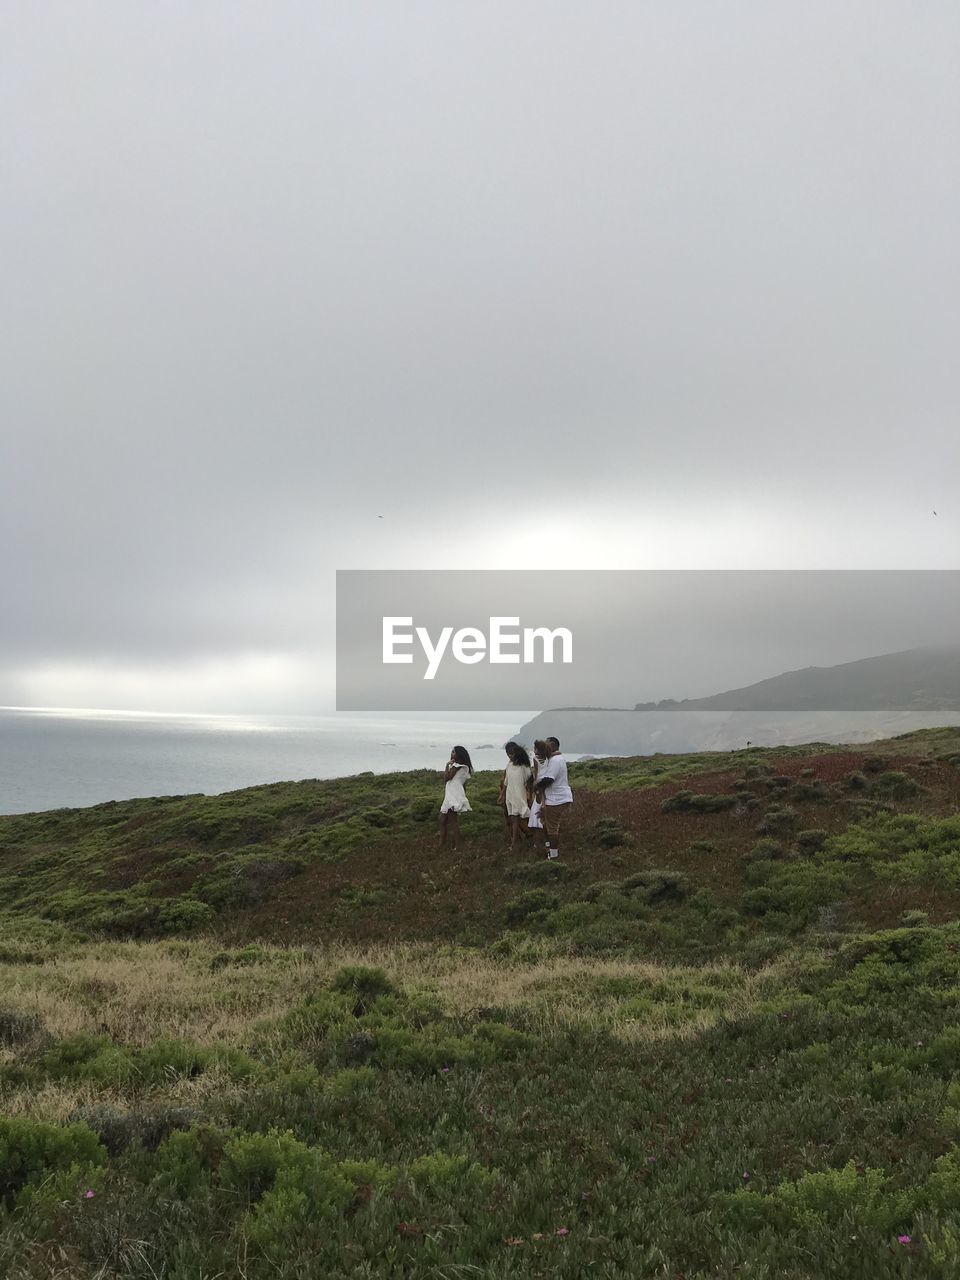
535	795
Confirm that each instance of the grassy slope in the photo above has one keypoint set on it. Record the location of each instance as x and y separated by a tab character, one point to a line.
488	1066
356	858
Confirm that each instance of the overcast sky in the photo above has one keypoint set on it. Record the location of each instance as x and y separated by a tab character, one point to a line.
678	282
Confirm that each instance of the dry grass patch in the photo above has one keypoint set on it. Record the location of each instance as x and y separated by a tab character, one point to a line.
136	992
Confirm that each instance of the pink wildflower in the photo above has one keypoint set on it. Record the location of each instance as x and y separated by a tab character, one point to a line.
562	1231
88	1194
746	1176
903	1239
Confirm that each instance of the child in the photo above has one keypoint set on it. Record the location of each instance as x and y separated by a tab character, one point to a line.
456	775
515	789
540	754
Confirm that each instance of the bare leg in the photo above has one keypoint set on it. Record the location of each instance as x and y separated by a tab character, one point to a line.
442	840
454	823
514	831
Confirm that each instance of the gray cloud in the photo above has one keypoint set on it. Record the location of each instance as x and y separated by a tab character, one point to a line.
680	279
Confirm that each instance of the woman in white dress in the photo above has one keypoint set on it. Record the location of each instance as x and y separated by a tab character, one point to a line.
516	789
455	775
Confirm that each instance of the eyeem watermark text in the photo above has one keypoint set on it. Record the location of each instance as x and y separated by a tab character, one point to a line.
506	643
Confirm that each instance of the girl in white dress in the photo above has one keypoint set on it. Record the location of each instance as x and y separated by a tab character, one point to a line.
456	775
516	789
540	756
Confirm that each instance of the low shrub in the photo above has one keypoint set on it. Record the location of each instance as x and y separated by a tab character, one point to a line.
895	785
778	820
689	802
811	840
31	1149
118	1129
767	850
18	1028
363	982
185	915
656	886
608	833
529	903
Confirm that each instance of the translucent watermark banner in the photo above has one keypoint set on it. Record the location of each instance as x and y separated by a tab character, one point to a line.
425	640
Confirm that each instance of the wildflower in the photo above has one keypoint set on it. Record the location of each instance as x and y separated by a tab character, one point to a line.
903	1239
728	1080
746	1176
445	1070
562	1231
537	1235
514	1240
88	1194
919	1044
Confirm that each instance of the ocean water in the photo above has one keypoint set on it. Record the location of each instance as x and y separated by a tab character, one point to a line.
53	758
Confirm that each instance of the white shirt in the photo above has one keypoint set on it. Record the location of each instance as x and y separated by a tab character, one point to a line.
559	790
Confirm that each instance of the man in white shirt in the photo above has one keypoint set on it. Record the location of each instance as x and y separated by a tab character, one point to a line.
556	798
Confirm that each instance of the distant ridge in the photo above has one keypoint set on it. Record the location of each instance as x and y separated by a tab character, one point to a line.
914	679
852	702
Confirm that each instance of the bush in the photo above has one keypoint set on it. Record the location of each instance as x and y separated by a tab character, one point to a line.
656	886
185	1162
896	786
118	1129
18	1028
876	764
778	820
446	1175
915	919
608	833
528	903
31	1149
688	802
837	1194
767	850
811	840
943	1185
185	915
600	888
359	980
856	781
816	792
542	872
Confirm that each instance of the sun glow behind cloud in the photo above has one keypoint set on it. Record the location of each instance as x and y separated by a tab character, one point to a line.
224	684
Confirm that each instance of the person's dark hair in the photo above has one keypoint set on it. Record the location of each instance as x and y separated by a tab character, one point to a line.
517	754
554	742
540	749
462	756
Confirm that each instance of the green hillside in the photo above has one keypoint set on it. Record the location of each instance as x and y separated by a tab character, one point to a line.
278	1033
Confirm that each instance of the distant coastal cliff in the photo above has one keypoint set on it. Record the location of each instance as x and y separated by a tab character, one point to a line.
852	702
